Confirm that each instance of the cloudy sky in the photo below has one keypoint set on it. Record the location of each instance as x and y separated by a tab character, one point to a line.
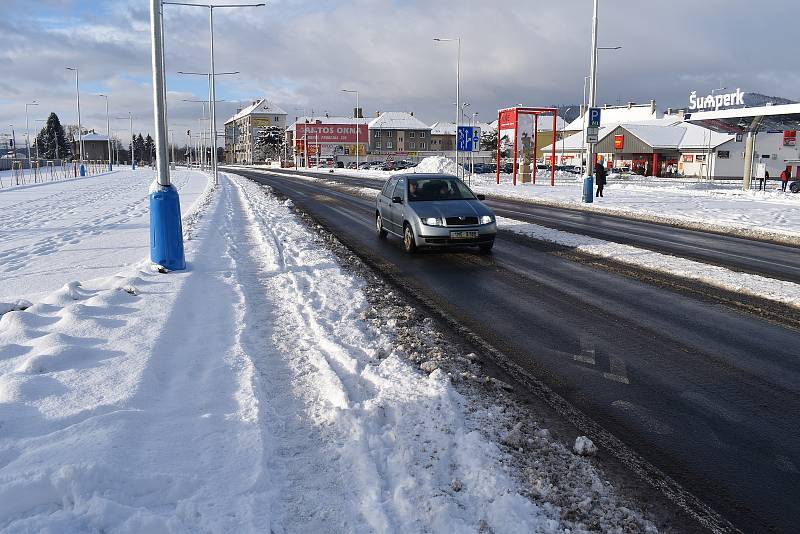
300	53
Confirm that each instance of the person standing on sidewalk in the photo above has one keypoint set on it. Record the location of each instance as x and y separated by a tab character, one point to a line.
784	178
600	176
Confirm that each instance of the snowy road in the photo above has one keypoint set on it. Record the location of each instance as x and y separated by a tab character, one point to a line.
54	232
705	393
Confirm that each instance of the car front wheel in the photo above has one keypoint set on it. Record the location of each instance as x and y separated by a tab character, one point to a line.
379	229
409	244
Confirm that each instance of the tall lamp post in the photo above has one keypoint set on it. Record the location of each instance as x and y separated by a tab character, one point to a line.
458	88
130	119
28	135
212	73
80	127
563	139
166	232
708	151
108	132
358	126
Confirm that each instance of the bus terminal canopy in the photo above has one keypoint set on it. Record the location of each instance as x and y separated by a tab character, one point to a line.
743	120
749	121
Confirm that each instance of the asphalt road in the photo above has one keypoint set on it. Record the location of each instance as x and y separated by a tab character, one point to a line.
768	259
708	395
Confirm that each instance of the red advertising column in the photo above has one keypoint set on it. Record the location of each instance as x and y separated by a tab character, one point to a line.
499	126
553	153
654	171
516	135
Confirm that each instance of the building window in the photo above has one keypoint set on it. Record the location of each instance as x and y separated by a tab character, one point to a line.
378	146
388	134
389	144
724	154
422	145
411	135
422	135
411	145
377	135
700	158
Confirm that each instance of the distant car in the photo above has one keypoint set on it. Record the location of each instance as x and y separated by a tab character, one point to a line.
434	210
507	168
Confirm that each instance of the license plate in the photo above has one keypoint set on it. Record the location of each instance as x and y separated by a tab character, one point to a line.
463	235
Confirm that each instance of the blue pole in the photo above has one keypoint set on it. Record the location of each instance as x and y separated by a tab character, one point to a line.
166	231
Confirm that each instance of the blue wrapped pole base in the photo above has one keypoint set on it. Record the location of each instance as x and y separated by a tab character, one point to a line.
166	230
588	190
82	170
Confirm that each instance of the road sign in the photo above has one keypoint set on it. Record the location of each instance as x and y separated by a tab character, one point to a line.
476	139
592	133
465	138
594	117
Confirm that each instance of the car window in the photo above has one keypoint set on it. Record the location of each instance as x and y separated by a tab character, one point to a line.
398	190
436	189
389	187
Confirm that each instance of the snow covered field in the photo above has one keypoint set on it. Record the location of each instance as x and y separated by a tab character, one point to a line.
258	391
55	232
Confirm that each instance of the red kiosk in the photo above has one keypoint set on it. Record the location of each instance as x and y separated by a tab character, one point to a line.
508	119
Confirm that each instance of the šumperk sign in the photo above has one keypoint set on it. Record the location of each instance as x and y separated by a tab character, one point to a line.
715	102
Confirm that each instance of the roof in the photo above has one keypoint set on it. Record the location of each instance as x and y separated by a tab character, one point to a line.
326	120
262	107
619	115
93	137
662	134
398	120
740	120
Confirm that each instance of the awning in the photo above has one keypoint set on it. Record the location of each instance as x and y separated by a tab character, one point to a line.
742	120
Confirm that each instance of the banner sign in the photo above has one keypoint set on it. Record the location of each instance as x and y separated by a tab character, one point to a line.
790	138
715	102
508	120
332	133
619	142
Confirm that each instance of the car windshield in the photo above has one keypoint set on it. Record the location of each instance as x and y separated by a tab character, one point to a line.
432	189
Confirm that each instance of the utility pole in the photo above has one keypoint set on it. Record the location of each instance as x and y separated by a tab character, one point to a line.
458	90
166	235
592	100
28	136
80	126
358	126
108	129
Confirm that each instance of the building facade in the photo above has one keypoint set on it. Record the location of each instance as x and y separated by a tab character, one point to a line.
323	139
242	131
398	133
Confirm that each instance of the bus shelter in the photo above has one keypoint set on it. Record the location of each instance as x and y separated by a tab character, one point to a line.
508	119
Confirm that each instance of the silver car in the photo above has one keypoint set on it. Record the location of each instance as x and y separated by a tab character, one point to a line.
433	210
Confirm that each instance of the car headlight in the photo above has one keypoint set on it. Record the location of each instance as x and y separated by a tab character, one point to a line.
487	219
432	221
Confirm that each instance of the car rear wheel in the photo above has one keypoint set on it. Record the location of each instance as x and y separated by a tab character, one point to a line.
795	187
409	244
486	248
379	229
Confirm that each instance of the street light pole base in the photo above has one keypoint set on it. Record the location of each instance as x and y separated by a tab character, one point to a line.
166	230
82	170
588	190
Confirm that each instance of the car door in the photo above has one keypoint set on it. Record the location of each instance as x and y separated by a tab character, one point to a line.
385	202
396	210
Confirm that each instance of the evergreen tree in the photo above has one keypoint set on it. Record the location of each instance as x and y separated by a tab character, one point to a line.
52	140
149	149
269	144
138	148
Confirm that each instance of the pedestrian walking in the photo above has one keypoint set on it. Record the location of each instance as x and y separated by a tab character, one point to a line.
762	181
784	178
600	177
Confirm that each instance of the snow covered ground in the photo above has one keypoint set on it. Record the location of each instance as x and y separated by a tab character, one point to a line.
261	390
87	227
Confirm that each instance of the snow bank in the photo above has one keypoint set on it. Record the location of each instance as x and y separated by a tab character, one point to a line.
437	165
751	284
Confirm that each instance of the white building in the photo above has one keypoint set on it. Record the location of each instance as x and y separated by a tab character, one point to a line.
242	131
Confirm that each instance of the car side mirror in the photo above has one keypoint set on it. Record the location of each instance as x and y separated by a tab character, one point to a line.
397	200
481	197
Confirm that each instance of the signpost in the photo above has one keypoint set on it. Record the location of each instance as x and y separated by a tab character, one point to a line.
468	138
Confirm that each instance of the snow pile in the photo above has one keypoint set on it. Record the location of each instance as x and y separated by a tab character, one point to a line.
750	284
435	165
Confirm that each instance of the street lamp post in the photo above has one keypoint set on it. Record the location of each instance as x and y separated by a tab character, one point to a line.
458	89
358	127
562	136
166	234
108	132
80	127
708	151
130	119
28	135
212	74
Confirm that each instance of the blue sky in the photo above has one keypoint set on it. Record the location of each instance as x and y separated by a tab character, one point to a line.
300	53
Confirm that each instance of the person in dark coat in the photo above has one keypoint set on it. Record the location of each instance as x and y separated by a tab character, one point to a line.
600	178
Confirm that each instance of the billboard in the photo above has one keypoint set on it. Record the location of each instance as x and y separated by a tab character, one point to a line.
261	122
619	142
332	133
790	138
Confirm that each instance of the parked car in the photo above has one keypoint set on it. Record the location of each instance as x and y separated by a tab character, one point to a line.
433	210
